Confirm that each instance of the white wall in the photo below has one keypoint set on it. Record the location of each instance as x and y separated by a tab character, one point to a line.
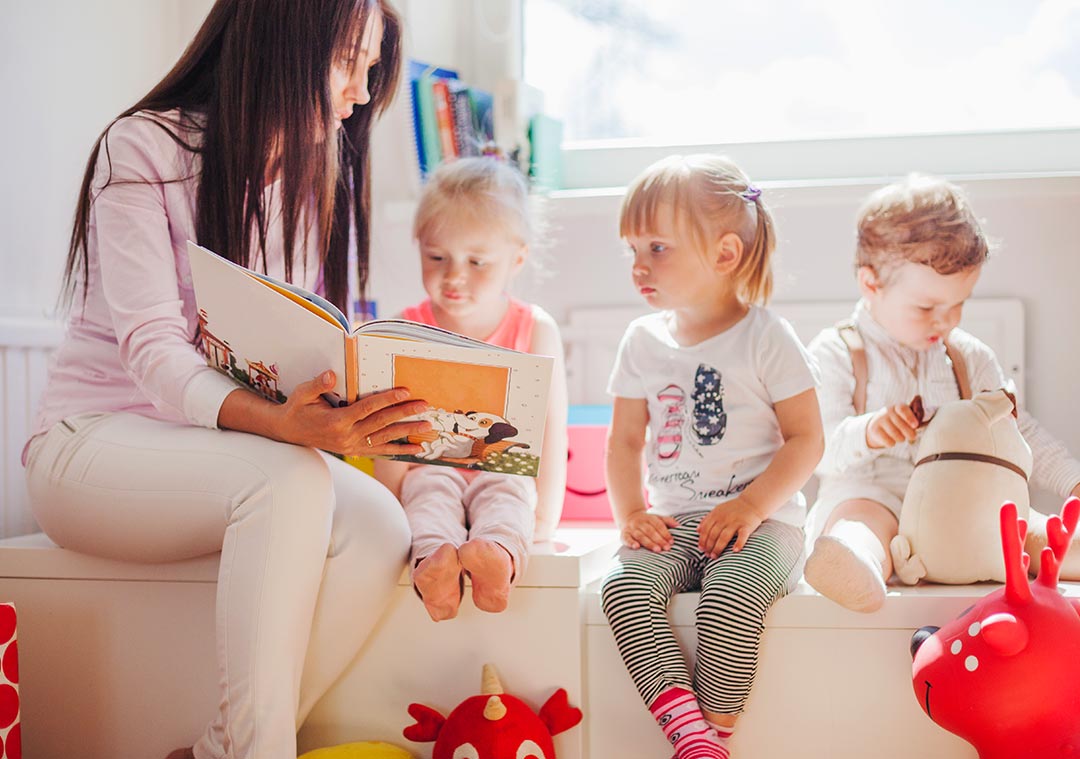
66	68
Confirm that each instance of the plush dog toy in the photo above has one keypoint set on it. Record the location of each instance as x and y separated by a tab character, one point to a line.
1005	674
493	725
971	459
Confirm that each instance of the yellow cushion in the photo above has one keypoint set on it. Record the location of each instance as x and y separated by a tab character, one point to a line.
365	750
363	463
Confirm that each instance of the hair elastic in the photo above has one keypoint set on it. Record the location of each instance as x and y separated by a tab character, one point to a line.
750	194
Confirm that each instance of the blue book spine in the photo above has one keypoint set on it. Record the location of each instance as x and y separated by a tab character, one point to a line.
420	76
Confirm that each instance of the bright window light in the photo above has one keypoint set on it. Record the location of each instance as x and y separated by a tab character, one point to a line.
730	71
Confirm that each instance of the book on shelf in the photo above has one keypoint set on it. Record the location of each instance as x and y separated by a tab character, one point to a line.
488	404
483	118
545	152
450	117
444	120
425	123
466	142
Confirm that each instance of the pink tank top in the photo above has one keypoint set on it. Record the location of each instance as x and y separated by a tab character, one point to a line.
514	331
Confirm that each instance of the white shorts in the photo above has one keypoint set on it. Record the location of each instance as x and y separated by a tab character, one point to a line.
833	493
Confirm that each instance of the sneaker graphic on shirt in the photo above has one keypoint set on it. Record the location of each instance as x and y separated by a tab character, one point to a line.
709	418
669	440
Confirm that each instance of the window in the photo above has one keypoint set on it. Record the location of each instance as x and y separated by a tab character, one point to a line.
960	84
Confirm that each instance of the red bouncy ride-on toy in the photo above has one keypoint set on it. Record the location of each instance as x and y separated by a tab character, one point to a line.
1005	674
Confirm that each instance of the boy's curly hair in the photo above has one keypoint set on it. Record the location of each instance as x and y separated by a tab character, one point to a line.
923	220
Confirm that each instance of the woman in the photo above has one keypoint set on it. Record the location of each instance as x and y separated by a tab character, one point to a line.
256	146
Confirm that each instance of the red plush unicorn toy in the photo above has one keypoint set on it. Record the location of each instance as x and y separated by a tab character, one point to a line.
493	725
1005	675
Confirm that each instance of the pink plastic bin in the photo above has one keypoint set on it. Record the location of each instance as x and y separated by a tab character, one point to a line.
586	491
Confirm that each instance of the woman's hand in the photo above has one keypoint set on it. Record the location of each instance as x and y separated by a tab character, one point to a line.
736	518
364	428
644	530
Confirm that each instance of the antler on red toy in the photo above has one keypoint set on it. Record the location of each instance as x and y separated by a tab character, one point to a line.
1013	532
557	713
428	724
1059	533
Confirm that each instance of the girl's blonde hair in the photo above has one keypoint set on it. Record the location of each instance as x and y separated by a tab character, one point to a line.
924	220
710	196
476	190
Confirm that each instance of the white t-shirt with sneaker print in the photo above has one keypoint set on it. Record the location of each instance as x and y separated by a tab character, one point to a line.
712	428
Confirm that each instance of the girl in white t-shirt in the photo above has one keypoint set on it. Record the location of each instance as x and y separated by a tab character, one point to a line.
719	393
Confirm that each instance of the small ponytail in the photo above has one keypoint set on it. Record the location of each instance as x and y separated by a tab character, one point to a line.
754	275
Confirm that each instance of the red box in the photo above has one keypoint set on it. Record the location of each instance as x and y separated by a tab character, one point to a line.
10	732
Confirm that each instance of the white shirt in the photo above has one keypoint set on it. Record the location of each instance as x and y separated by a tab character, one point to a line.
712	427
896	374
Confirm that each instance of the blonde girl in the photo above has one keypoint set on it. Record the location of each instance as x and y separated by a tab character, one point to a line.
474	230
719	394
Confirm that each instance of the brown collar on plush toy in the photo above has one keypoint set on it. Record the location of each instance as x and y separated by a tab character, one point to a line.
981	457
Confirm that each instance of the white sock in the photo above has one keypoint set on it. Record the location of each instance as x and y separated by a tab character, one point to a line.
846	567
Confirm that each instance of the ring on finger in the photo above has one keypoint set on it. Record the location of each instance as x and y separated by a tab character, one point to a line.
369	443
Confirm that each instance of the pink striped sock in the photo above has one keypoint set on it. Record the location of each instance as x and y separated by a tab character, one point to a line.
679	716
722	733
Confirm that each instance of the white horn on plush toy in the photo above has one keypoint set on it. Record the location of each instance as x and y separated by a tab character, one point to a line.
495	709
489	682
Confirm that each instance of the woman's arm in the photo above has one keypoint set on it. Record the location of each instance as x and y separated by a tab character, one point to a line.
551	482
138	269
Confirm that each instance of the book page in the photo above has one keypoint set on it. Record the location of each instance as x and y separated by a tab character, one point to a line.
316	304
407	330
259	336
489	405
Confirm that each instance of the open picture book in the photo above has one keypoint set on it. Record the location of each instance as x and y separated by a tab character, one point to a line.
488	404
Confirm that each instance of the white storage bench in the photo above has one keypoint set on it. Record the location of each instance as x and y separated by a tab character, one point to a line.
831	683
117	661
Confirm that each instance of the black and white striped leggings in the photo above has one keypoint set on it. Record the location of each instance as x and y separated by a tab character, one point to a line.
737	590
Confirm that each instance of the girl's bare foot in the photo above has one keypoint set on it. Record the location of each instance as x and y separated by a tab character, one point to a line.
438	580
181	753
491	568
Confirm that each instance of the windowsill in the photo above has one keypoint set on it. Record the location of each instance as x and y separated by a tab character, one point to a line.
845	160
586	201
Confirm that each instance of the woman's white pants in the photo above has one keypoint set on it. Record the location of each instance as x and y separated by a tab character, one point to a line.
311	549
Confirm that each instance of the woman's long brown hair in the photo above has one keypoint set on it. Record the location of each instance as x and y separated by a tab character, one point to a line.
252	92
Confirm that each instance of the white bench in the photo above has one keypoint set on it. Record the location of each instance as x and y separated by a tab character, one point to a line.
117	661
